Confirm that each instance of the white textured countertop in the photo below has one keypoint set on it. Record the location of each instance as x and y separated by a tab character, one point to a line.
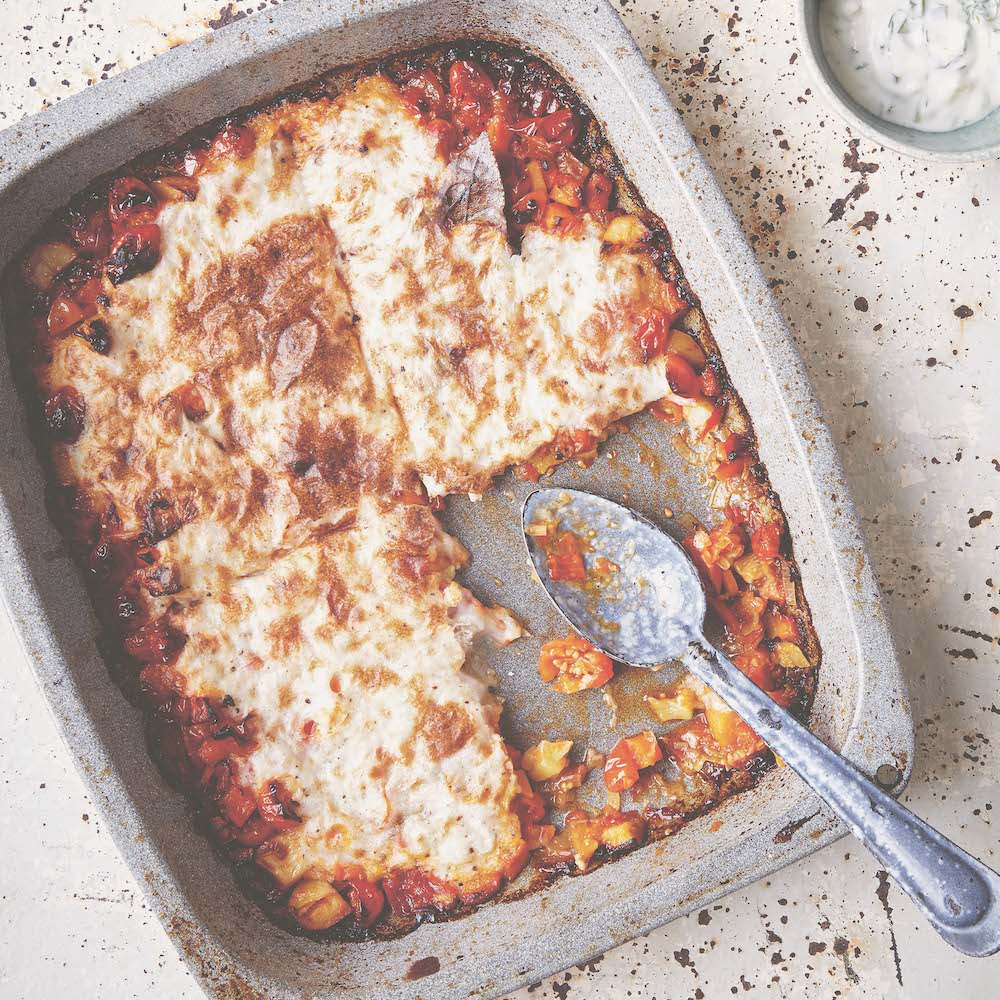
885	268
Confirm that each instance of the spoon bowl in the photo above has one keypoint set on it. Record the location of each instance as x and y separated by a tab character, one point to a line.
643	612
642	603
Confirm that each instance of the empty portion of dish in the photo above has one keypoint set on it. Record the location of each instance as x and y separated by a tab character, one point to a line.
258	360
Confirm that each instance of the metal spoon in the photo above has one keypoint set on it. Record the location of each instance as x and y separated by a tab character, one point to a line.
652	611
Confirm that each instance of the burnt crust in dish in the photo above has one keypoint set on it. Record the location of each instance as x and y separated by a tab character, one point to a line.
255	363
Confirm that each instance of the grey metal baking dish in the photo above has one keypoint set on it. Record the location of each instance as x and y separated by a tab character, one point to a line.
860	706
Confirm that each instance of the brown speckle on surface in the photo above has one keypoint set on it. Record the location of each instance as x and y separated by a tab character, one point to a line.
422	968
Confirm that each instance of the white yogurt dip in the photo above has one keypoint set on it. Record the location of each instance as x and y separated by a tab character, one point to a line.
932	65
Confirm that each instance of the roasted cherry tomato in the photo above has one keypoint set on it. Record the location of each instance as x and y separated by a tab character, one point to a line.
128	199
236	141
468	80
681	376
135	252
64	415
65	313
155	643
424	93
574	665
653	334
366	899
414	891
597	192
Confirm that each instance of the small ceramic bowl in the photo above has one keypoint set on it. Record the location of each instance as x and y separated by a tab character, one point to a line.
977	142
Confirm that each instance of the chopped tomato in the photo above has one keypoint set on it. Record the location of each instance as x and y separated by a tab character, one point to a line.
192	401
468	80
574	665
498	132
725	471
621	770
237	805
528	805
471	115
528	472
673	302
65	313
90	229
582	837
366	899
597	192
563	787
645	749
156	642
254	831
212	750
766	540
564	560
570	444
560	128
539	835
653	334
710	382
276	806
414	891
681	376
710	574
757	665
236	141
424	93
713	421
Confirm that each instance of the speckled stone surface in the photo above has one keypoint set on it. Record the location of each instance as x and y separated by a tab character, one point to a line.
884	267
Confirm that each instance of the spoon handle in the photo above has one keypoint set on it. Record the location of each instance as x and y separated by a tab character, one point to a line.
959	895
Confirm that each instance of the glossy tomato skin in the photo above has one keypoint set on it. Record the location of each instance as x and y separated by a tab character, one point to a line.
621	771
414	891
135	252
574	665
467	79
155	643
653	334
366	899
276	807
130	199
681	376
234	141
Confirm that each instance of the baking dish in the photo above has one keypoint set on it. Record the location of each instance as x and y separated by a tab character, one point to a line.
860	703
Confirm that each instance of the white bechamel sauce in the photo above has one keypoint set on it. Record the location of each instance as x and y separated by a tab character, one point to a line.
932	65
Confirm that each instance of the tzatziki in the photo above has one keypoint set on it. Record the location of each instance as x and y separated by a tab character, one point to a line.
932	65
